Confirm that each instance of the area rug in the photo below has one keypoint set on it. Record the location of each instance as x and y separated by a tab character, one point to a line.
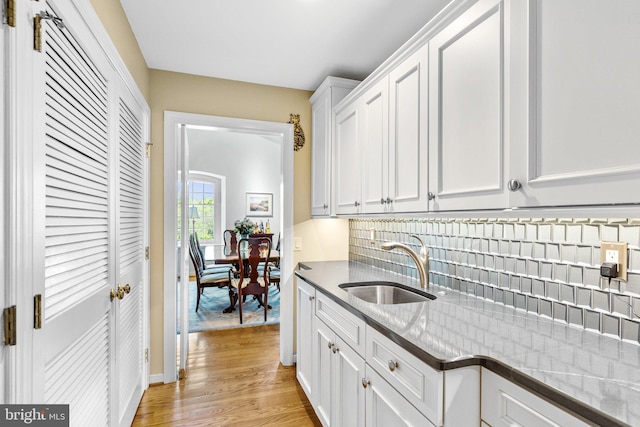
213	301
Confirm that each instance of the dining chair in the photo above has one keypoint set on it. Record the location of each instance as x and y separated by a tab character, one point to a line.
206	268
230	239
207	278
251	280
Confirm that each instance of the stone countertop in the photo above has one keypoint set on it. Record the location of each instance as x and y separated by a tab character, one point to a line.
591	375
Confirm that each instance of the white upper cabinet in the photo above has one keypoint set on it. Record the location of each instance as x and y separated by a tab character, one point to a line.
408	149
346	186
329	93
466	110
575	102
391	130
374	107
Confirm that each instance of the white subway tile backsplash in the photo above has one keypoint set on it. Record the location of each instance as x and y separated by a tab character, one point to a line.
544	266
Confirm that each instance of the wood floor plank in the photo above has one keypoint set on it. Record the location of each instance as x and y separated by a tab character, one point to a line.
235	379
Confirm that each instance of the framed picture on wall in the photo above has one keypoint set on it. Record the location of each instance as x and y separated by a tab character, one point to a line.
259	204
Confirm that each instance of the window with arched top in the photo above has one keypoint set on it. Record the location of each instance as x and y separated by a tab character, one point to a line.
206	206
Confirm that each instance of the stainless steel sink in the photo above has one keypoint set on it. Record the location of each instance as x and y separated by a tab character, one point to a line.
386	293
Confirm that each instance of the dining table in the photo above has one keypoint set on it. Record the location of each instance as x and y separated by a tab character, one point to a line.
225	255
219	254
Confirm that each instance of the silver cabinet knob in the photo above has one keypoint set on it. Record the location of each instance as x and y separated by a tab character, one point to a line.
311	297
392	365
365	382
335	349
356	204
430	195
330	344
325	206
514	185
389	200
382	201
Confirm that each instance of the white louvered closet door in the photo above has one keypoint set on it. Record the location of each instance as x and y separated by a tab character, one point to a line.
89	204
130	256
78	312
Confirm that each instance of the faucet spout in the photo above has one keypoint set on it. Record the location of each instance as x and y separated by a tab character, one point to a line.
421	261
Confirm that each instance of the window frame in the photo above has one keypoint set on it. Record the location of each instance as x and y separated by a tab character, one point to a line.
219	202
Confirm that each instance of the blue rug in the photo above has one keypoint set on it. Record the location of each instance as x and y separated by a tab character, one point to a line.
210	316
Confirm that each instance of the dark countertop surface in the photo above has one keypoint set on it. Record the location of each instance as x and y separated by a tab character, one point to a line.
591	375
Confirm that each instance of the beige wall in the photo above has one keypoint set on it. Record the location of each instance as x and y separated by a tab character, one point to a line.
117	25
322	239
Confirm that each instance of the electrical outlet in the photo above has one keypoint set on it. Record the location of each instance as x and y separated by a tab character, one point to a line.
616	253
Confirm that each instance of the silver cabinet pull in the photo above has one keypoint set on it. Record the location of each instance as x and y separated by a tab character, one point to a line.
382	201
392	365
514	185
335	349
330	345
356	204
389	200
365	382
325	206
430	195
311	297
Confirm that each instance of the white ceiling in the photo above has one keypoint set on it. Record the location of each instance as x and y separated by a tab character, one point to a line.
288	43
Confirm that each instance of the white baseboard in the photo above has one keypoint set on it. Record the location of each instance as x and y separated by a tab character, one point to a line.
155	379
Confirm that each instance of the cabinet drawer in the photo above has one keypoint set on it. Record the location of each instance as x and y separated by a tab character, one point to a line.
415	380
346	325
506	404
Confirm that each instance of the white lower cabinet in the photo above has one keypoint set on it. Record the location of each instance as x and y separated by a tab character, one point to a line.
506	404
306	295
339	372
420	384
385	406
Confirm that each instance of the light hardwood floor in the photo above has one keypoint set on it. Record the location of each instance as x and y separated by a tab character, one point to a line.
234	378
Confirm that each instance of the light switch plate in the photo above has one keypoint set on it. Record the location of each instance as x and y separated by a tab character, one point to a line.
615	252
297	243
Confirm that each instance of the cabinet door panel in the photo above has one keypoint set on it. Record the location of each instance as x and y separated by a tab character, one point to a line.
305	341
375	147
506	404
466	110
386	407
349	369
347	162
323	380
582	128
408	157
320	153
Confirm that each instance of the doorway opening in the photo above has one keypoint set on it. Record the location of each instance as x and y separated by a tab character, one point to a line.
181	129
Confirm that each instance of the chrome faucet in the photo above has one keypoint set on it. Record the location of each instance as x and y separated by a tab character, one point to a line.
421	260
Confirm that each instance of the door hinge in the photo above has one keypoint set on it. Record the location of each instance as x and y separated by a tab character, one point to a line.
10	330
37	311
37	27
147	252
37	30
10	10
146	355
147	150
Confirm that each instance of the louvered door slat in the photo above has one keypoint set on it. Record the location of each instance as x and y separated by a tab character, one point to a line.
85	174
79	377
72	53
131	190
65	55
64	126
